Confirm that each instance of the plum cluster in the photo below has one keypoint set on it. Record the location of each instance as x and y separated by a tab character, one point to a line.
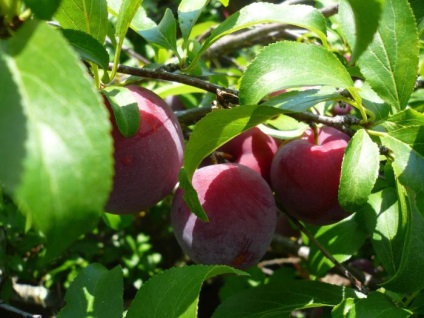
238	189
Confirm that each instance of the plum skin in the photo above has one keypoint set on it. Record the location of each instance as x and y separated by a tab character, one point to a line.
242	215
305	176
147	164
254	149
339	110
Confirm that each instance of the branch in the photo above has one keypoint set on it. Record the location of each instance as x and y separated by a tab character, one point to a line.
340	267
10	311
162	74
264	34
227	96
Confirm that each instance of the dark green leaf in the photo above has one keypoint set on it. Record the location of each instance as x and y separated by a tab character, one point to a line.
291	64
279	300
175	292
95	292
188	13
125	109
359	19
359	171
408	165
387	228
87	47
376	305
109	293
418	8
299	101
256	13
57	133
89	16
418	305
43	9
410	277
164	34
390	65
350	234
211	132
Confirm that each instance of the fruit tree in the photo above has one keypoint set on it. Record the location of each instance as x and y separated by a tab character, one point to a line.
211	158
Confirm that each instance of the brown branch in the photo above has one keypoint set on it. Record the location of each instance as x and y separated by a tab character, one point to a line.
263	34
229	96
162	74
343	123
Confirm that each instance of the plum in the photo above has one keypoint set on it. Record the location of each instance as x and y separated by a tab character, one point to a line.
146	164
252	148
241	211
341	109
305	175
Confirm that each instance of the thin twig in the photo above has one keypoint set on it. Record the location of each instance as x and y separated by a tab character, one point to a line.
161	74
16	312
352	278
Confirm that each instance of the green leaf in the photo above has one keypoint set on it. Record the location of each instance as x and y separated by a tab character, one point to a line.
176	89
188	13
418	8
374	103
140	21
87	47
387	227
291	64
118	222
342	240
175	292
211	132
410	277
408	165
107	303
359	19
299	101
89	16
57	133
403	119
256	13
164	34
377	305
391	60
359	171
125	109
95	292
413	136
279	300
43	9
127	11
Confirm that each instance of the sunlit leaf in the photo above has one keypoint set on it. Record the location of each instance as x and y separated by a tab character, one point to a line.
291	64
89	16
360	20
359	171
56	130
390	64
